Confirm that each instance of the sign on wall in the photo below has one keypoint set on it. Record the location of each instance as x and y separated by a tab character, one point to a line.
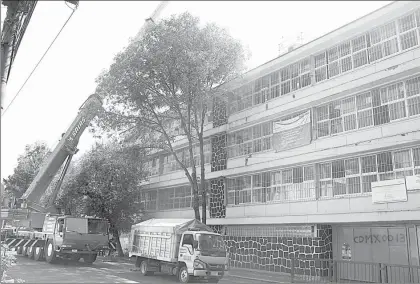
389	191
413	182
292	133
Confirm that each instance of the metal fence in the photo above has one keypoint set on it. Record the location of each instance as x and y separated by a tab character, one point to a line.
344	271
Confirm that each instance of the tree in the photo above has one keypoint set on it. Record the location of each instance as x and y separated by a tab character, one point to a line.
171	74
105	183
27	168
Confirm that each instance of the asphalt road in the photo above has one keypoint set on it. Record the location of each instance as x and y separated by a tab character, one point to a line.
32	271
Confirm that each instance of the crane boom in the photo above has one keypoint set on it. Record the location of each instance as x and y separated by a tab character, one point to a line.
67	146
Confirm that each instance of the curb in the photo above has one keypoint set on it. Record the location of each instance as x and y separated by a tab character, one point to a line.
255	279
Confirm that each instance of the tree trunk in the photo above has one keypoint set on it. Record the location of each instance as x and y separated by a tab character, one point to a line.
203	180
196	200
116	236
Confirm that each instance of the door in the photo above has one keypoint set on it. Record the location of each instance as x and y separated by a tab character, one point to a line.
58	232
186	251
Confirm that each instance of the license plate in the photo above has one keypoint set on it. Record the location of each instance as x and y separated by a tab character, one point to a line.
214	273
74	250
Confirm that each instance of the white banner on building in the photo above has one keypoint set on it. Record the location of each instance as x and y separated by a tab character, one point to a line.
292	133
389	191
413	182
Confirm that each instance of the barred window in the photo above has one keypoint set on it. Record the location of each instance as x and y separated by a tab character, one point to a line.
175	198
336	117
408	31
321	67
412	87
295	76
355	175
383	42
293	184
375	107
148	200
250	140
239	190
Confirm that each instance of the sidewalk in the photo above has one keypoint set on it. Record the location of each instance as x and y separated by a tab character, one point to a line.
250	274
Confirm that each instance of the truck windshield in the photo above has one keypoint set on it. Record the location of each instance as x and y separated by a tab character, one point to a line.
210	243
96	226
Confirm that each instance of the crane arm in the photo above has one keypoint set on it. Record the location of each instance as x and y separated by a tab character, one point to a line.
65	148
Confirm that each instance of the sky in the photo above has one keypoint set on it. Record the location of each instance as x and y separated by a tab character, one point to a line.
98	30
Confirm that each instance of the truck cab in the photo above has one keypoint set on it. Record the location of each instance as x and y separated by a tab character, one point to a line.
204	255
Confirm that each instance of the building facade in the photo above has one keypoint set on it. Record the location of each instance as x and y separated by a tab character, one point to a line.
315	154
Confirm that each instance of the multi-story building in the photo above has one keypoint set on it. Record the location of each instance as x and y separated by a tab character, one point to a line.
315	153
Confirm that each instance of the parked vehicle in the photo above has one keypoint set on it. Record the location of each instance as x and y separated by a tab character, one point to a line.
184	248
64	237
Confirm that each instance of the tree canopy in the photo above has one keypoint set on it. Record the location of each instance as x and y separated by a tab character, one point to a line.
170	74
105	182
28	165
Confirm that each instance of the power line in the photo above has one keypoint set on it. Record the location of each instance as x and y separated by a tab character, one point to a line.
36	66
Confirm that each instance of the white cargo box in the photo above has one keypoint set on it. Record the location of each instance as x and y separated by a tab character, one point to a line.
159	238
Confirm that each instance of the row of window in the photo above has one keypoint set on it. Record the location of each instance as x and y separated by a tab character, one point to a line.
168	163
375	107
340	177
380	42
170	198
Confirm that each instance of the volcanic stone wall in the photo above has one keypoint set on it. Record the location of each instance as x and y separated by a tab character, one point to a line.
276	253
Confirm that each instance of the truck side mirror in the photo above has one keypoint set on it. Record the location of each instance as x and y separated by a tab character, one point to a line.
195	244
60	228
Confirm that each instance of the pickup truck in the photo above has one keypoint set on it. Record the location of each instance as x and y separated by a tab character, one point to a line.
185	248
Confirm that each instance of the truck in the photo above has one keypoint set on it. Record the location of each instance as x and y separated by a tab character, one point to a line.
43	232
185	248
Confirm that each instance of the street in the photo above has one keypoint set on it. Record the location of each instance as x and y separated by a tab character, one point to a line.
100	272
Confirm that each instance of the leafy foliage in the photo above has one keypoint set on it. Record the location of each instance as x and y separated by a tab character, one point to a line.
27	168
105	183
170	74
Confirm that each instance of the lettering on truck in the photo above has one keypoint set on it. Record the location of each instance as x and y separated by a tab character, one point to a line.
77	129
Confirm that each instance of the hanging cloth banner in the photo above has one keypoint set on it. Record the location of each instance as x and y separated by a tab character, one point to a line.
292	133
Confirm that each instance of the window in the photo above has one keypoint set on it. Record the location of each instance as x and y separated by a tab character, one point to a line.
250	140
408	31
174	198
375	107
339	59
320	67
336	117
412	87
383	42
295	76
207	153
355	175
293	184
148	200
239	190
416	160
152	166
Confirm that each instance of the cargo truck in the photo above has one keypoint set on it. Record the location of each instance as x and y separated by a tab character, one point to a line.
185	248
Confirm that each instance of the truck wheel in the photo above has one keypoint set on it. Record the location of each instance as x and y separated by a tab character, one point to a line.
183	275
50	255
75	257
31	252
143	269
90	258
25	251
38	254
